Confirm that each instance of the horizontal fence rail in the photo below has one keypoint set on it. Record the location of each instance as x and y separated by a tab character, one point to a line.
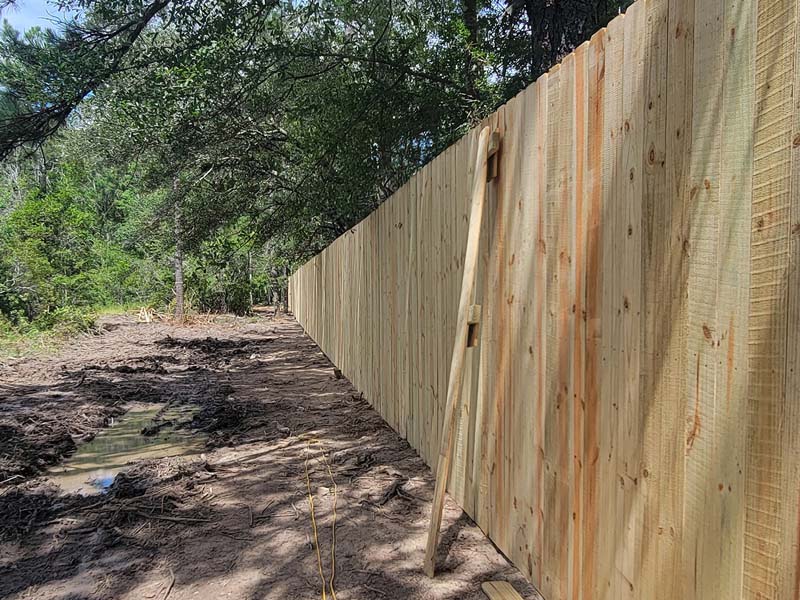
631	415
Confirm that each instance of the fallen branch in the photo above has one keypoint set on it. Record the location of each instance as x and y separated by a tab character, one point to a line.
170	586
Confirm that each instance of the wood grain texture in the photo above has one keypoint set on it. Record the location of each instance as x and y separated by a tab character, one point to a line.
540	317
703	327
594	196
629	302
733	291
578	397
500	590
659	377
768	334
631	417
610	315
552	536
789	582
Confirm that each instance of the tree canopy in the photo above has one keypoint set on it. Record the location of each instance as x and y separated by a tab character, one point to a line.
241	136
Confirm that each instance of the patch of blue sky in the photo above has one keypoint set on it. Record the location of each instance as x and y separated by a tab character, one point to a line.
24	14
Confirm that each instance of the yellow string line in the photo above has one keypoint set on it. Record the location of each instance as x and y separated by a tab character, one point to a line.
309	441
333	525
314	525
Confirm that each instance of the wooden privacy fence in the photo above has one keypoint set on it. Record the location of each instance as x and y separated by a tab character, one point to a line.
631	425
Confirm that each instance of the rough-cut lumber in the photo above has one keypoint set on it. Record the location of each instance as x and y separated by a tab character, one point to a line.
660	217
609	307
703	332
500	590
733	290
591	404
459	346
789	582
771	561
630	424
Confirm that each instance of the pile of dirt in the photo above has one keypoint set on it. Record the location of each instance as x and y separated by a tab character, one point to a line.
210	345
227	419
25	506
162	490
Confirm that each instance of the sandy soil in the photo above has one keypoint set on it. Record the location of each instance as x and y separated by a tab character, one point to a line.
235	522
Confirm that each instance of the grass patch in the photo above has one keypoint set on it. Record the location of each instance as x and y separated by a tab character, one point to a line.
45	333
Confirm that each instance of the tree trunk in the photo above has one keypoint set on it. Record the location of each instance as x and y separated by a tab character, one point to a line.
285	289
470	11
41	167
178	231
250	277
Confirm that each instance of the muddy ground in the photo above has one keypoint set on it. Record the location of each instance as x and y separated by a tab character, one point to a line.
236	520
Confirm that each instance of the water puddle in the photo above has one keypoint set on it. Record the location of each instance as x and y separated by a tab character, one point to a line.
95	464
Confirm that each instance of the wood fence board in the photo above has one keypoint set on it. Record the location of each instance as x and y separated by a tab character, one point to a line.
735	183
457	475
540	308
630	423
436	331
486	423
656	332
404	222
500	590
508	198
594	292
703	328
522	384
390	368
578	398
552	536
789	582
506	189
767	326
427	432
566	317
417	301
610	312
450	287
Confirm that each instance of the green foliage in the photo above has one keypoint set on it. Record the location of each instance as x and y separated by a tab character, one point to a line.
220	274
65	320
65	250
89	235
241	137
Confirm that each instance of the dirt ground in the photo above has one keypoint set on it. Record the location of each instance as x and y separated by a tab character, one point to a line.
235	521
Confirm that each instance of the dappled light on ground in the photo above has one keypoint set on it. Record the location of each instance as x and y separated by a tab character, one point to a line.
235	521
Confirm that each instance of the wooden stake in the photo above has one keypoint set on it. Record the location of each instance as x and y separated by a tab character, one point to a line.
461	340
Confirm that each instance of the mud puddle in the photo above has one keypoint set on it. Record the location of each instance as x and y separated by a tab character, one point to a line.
143	432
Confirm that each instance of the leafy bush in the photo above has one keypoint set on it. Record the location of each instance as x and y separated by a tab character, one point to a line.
70	249
6	326
66	320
